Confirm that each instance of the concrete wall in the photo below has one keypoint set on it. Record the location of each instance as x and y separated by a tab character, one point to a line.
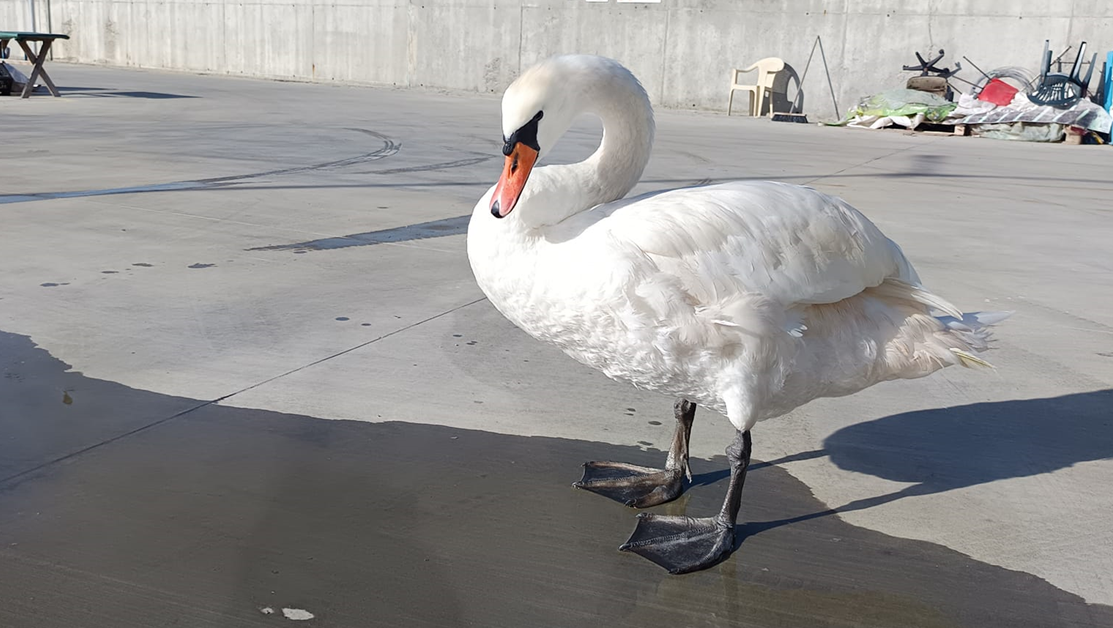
681	49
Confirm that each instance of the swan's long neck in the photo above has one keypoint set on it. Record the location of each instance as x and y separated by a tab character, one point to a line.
555	193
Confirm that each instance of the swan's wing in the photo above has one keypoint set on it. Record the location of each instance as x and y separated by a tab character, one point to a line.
787	243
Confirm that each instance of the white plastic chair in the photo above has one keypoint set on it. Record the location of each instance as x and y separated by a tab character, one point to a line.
767	69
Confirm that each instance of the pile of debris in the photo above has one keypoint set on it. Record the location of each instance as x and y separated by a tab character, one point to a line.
1007	103
11	79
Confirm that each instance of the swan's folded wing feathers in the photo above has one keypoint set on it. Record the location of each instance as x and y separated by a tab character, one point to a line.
788	243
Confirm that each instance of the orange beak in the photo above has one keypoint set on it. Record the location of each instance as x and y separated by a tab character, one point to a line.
519	163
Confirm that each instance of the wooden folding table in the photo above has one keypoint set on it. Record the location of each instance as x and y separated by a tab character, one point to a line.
37	61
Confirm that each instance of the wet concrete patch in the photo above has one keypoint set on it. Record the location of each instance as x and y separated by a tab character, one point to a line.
48	412
206	518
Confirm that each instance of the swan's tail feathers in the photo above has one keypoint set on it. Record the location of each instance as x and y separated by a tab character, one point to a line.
939	337
969	360
974	320
896	288
973	328
986	318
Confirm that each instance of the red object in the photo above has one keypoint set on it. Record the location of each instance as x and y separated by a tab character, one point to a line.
998	92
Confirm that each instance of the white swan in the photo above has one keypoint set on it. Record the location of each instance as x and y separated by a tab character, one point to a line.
751	298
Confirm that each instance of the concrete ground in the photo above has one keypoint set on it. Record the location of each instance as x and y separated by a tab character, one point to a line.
199	272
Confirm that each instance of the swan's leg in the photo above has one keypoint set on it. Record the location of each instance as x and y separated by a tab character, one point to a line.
642	487
684	544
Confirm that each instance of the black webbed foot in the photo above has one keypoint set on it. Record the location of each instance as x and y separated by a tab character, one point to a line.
639	487
685	544
681	544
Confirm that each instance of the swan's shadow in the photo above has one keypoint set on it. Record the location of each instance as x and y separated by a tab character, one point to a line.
711	477
952	448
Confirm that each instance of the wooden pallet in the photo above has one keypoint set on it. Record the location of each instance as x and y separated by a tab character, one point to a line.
928	128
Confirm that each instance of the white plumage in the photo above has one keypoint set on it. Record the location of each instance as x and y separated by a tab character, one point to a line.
751	298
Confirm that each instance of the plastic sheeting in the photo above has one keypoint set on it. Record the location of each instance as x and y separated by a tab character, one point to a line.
1023	131
19	78
1083	113
1020	120
906	107
969	105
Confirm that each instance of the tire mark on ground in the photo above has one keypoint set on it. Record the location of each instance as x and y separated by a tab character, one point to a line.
389	147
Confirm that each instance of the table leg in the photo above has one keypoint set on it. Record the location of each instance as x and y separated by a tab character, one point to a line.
37	69
42	70
30	84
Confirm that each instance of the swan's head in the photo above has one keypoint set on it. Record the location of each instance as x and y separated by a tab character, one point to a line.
539	107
